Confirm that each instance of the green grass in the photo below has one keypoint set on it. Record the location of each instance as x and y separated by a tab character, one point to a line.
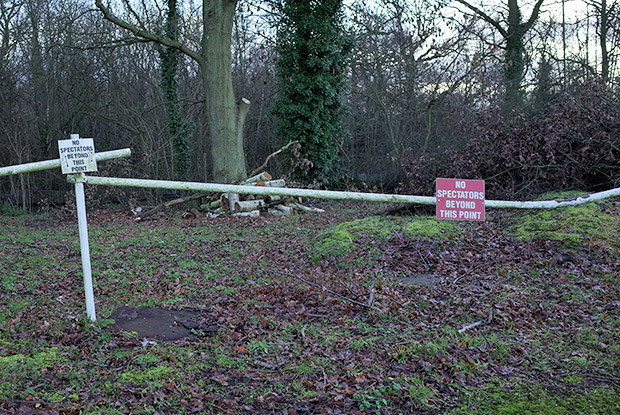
284	344
18	370
149	377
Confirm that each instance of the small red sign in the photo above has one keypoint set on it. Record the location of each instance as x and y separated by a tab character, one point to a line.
459	199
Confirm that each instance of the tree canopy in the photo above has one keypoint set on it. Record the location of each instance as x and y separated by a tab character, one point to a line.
365	87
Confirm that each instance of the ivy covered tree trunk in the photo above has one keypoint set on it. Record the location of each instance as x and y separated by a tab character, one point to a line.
514	66
179	127
313	56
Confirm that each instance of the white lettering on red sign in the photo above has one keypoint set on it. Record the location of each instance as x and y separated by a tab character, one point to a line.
460	199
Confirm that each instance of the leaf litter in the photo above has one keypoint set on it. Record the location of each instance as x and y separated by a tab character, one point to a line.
347	334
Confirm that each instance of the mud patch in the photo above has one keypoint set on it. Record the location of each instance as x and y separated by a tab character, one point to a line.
161	324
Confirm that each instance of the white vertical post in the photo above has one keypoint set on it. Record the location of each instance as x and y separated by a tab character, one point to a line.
84	247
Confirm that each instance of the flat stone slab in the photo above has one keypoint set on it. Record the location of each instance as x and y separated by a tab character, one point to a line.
420	279
160	324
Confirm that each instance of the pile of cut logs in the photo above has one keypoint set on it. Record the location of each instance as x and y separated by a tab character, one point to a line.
252	205
234	203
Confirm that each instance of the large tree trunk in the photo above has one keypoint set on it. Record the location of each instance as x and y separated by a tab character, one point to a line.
514	36
224	115
39	78
514	64
604	28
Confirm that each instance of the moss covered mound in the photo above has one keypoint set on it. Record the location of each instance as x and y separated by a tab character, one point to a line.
347	237
591	224
537	400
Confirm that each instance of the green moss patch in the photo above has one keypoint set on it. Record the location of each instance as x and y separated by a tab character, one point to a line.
38	361
147	377
347	237
530	401
17	370
591	224
428	227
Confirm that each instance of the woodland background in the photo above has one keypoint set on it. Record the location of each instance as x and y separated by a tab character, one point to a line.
426	93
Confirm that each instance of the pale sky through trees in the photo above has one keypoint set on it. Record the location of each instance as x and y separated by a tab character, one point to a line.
418	76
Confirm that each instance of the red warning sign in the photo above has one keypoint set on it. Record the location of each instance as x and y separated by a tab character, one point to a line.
459	199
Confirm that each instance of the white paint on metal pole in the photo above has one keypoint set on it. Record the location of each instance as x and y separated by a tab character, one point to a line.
75	145
84	248
55	164
553	204
327	194
81	210
257	190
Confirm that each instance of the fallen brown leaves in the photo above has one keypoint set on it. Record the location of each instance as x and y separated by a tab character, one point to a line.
298	337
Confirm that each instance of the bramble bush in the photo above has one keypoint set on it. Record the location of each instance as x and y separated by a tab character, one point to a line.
574	143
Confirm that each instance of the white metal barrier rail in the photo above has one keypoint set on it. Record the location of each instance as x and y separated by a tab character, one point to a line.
55	164
330	194
80	179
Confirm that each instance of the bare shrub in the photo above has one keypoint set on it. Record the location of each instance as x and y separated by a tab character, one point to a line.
573	144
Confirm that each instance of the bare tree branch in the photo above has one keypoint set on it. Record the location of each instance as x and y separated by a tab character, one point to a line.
275	153
162	40
534	15
486	17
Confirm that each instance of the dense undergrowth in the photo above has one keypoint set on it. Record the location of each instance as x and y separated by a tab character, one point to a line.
571	144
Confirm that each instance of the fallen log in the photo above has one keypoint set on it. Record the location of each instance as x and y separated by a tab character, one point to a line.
302	208
264	176
276	212
228	201
252	214
273	200
275	183
288	211
215	204
249	205
232	199
191	214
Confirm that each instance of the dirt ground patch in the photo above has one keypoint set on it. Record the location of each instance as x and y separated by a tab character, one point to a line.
160	324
